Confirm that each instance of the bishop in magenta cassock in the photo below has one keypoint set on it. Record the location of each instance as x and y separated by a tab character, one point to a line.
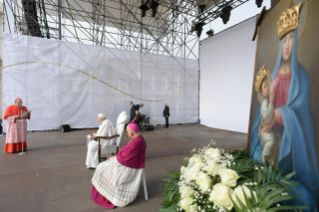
16	127
116	182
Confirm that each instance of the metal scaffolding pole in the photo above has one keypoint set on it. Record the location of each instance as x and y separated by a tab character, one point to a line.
118	23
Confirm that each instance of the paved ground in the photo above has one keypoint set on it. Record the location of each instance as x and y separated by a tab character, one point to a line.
52	176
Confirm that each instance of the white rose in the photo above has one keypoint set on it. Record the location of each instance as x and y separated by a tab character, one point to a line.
213	153
185	203
211	167
239	192
203	181
195	159
192	208
185	191
192	172
182	169
220	196
228	177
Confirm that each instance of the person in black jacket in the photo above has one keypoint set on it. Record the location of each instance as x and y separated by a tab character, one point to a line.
132	111
166	114
137	107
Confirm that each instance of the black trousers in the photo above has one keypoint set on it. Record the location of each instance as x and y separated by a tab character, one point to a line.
166	121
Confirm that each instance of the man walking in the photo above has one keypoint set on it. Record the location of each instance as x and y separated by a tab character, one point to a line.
166	114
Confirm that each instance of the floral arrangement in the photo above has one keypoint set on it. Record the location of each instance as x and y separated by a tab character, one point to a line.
213	180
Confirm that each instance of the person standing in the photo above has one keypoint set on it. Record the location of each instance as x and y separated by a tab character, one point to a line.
132	112
166	114
16	127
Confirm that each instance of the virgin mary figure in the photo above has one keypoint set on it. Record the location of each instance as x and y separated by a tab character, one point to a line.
292	119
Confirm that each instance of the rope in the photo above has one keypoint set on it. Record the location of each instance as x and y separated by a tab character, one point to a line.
73	21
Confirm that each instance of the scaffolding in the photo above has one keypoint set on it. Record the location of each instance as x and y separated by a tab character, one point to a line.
115	23
119	24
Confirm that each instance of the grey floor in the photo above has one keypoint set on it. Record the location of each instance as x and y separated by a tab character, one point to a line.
52	176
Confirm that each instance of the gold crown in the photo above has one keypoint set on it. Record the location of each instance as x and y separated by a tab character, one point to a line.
260	77
288	21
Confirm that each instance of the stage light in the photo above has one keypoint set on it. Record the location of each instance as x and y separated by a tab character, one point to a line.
202	7
198	27
154	5
210	33
143	9
259	3
226	13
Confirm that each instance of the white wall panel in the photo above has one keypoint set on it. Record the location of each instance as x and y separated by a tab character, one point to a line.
227	66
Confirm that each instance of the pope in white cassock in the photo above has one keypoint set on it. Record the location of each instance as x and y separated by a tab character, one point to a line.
105	129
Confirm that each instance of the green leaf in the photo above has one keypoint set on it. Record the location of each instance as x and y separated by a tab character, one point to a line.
278	199
271	194
269	172
288	176
287	182
249	204
170	209
279	175
289	208
273	175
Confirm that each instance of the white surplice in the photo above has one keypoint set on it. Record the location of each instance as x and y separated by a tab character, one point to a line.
116	182
92	157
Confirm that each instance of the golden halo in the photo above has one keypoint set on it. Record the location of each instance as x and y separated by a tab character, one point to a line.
123	92
302	19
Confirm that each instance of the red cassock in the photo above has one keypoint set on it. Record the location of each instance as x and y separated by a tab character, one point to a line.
15	135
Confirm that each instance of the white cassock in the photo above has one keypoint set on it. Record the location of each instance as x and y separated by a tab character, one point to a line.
92	157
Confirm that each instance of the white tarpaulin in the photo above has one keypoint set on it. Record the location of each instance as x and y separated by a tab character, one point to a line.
69	83
227	68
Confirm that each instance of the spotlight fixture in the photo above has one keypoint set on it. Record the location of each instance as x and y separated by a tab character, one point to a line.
198	27
202	7
210	33
259	3
154	5
226	13
143	8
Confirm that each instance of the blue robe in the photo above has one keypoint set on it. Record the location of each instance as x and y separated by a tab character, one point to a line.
298	148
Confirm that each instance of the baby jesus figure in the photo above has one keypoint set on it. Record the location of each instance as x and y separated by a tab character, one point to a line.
268	139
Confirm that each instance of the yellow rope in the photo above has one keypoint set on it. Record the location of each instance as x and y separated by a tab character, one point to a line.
73	21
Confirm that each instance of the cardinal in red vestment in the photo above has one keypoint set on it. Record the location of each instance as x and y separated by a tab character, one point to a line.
16	127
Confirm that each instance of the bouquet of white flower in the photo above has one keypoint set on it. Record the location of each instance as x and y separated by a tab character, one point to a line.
213	180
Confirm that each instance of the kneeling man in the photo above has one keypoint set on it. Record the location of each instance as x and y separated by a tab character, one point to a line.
116	182
106	129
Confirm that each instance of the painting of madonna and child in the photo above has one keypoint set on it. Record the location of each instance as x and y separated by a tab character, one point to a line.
284	115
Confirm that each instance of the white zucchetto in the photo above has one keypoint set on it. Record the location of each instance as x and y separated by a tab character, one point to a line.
102	116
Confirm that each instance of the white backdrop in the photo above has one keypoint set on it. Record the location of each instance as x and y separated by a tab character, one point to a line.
69	83
227	67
